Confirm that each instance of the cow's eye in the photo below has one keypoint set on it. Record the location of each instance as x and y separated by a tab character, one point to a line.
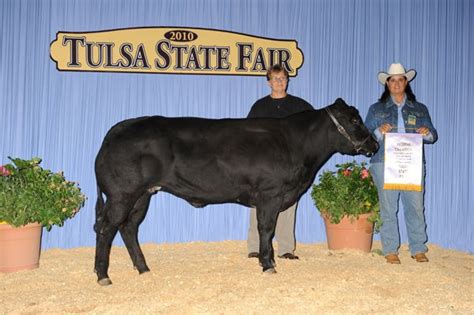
355	121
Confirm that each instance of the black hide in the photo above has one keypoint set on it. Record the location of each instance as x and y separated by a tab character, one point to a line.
266	163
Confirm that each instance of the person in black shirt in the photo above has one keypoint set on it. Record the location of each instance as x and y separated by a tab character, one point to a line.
278	104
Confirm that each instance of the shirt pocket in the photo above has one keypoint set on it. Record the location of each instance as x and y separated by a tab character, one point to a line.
383	117
418	114
420	118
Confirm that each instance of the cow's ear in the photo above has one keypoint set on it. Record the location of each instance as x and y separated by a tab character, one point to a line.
340	101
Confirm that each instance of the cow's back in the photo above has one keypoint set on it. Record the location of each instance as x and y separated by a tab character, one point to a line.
212	161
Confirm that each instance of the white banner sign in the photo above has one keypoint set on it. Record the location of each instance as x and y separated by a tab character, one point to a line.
403	161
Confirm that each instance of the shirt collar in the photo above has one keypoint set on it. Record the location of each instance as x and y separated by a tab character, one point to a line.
391	103
402	103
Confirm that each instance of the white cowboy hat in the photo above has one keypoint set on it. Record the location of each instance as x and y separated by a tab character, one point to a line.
396	69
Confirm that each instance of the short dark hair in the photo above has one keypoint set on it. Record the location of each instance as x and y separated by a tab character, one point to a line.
276	69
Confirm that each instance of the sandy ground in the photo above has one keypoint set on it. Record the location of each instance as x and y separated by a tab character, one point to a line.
218	278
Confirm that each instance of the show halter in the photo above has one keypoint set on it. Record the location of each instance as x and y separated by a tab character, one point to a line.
357	144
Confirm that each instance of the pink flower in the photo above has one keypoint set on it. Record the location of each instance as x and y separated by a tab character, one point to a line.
364	173
347	172
4	171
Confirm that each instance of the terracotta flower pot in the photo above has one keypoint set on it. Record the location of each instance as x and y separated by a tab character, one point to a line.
353	235
19	247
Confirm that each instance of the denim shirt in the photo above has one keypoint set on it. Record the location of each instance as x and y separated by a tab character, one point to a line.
415	115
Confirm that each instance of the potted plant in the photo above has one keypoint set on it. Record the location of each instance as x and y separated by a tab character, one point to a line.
348	202
30	198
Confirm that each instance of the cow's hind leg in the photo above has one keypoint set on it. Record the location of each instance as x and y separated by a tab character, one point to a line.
129	232
267	217
115	213
104	238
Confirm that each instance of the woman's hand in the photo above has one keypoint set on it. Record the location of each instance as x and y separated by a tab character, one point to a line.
385	128
423	131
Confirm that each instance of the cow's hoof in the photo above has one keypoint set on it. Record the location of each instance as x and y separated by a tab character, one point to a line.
273	262
141	269
105	281
269	271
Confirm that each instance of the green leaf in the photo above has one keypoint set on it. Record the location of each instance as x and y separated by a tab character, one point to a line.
32	194
345	193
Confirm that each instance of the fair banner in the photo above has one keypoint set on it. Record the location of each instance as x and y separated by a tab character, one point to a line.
403	161
173	50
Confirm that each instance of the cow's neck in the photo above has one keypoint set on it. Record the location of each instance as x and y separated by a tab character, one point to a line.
319	145
315	132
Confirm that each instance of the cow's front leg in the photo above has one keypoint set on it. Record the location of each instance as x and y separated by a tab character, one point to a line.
267	218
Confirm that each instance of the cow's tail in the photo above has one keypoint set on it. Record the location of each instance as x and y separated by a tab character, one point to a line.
99	211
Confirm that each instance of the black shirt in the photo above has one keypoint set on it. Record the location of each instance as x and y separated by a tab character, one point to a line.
269	107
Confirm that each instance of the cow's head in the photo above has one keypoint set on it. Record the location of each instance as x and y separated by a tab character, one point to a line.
351	135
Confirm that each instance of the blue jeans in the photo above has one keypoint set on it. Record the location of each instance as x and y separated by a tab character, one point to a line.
413	206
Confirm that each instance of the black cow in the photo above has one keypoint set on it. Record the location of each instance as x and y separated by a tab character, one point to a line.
266	163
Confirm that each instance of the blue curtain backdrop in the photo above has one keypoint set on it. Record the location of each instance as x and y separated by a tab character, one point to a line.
63	116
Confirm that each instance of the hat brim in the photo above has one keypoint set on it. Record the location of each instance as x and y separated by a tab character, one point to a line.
383	76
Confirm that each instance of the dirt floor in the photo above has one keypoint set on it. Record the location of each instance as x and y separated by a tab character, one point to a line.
218	278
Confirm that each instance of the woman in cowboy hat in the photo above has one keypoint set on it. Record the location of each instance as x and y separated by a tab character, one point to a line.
397	110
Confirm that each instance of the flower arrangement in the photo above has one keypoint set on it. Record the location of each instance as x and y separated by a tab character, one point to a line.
29	194
349	191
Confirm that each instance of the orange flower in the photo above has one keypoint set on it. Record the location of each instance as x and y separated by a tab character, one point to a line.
364	173
4	171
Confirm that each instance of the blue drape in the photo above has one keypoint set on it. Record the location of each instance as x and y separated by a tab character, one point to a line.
63	116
